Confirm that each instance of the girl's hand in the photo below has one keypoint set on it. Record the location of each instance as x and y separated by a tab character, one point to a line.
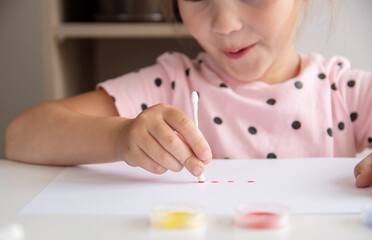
161	138
363	172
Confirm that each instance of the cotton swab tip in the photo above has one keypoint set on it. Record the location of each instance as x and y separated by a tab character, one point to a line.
201	178
194	97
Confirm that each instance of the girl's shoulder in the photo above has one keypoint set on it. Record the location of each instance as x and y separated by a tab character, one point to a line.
326	65
349	91
335	69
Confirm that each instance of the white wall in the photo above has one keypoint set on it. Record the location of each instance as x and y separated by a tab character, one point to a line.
20	60
349	35
20	47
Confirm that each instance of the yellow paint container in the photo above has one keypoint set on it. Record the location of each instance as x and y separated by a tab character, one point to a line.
180	216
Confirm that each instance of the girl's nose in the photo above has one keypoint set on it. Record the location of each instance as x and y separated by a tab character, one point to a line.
226	21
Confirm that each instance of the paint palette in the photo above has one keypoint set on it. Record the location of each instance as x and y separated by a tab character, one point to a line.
367	215
177	216
261	216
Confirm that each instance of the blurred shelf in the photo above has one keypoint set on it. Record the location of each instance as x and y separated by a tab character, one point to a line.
75	50
119	30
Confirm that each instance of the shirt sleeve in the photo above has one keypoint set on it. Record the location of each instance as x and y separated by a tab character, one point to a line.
356	88
136	91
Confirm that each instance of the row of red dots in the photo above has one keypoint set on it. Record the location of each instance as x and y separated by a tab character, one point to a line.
227	181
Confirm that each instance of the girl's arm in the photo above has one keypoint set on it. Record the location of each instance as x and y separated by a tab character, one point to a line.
76	130
86	129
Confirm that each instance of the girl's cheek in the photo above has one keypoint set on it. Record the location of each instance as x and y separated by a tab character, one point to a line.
196	27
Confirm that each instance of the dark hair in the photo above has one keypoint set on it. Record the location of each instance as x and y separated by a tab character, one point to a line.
170	10
176	11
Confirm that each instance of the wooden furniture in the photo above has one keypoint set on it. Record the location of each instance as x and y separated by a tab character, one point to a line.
79	54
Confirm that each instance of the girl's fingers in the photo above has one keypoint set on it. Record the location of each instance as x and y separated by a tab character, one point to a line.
172	142
158	154
140	159
153	131
148	164
194	165
179	150
181	123
363	172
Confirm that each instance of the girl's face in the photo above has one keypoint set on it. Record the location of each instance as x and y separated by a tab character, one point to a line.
249	39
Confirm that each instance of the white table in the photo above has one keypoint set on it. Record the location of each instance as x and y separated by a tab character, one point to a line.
20	183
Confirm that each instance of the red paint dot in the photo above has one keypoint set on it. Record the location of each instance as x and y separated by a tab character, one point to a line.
201	181
214	181
251	181
230	181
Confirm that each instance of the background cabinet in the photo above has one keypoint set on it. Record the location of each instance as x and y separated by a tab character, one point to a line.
78	54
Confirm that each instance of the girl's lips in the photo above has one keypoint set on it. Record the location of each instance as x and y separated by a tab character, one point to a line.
238	53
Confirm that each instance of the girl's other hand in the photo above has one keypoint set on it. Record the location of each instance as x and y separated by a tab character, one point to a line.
163	138
363	172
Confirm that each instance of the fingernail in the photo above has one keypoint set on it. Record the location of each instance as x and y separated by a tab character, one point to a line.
205	155
356	179
197	171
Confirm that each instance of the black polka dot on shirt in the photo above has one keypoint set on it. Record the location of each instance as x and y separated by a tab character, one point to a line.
144	106
370	140
341	126
173	85
296	125
187	72
158	82
252	130
351	83
271	101
333	86
329	132
321	76
353	116
217	120
298	84
223	85
271	155
340	64
113	98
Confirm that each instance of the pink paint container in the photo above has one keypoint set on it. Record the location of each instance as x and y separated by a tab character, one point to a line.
261	216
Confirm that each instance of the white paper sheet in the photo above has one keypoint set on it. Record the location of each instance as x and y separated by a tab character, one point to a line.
307	186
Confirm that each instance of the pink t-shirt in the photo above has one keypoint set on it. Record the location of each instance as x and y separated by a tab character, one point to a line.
326	111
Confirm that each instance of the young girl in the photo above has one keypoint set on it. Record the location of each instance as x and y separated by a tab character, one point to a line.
259	98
